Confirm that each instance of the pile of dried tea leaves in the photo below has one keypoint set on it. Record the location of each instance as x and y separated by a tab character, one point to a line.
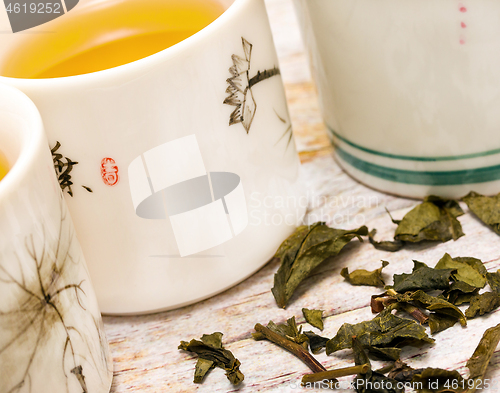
453	282
426	296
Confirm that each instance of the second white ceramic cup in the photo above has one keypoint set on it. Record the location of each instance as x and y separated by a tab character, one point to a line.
189	156
409	91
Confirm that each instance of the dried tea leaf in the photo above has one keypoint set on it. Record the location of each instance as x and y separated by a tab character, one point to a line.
459	293
316	343
494	281
304	250
433	303
467	270
487	209
423	277
481	357
213	340
384	353
211	349
385	245
440	322
434	219
371	381
401	372
314	317
290	331
203	367
364	277
483	303
436	380
385	330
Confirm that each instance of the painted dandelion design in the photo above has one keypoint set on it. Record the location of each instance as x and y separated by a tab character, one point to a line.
45	320
240	87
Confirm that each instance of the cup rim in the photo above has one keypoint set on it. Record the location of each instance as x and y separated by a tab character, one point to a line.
171	52
31	140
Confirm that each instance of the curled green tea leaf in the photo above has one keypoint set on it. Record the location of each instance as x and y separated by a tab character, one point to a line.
478	363
202	368
487	209
434	219
423	277
385	245
436	380
385	330
494	281
314	317
482	304
304	250
210	349
460	293
440	322
316	343
364	277
366	379
468	270
401	372
435	304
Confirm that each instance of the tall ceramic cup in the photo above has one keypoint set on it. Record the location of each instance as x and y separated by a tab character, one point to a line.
186	179
51	334
409	91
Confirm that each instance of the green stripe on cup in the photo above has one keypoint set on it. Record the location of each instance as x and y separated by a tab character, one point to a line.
430	178
413	158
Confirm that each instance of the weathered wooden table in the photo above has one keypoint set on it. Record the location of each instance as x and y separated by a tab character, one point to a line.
145	347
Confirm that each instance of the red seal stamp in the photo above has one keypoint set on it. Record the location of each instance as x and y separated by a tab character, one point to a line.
109	171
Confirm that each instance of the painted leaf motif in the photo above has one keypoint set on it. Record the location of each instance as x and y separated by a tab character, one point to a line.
314	317
487	209
385	330
468	270
210	348
423	277
435	219
482	304
303	251
364	277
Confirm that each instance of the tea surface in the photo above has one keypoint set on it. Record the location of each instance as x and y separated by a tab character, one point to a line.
4	166
106	35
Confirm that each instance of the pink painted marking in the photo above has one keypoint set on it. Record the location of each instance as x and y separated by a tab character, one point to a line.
462	9
463	25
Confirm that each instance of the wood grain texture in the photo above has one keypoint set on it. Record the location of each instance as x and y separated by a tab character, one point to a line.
145	348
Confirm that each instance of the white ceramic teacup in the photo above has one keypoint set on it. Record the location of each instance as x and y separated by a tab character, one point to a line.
51	334
190	157
409	91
